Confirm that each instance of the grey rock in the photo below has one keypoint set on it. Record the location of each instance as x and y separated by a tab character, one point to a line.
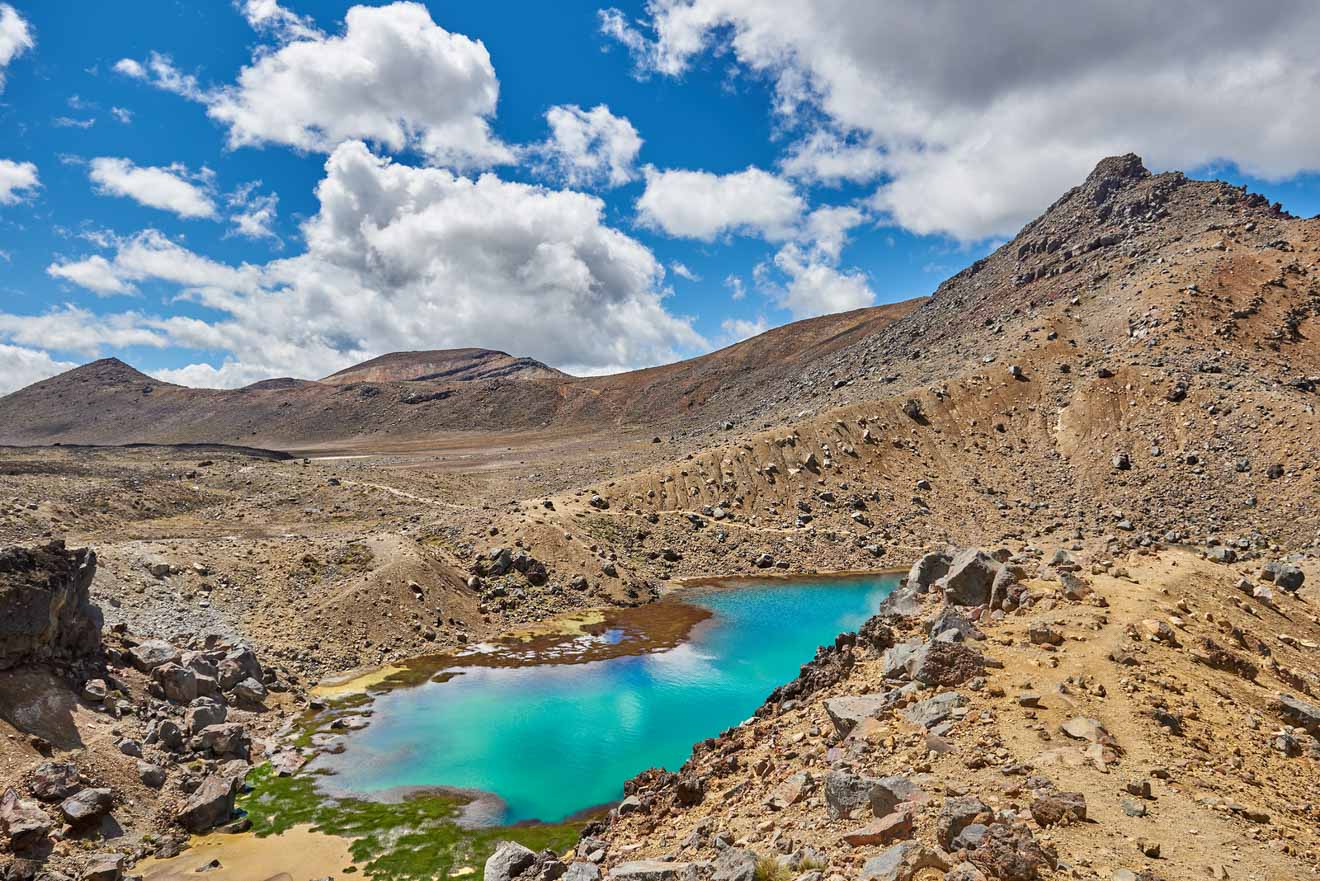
1286	576
927	570
970	578
53	781
149	655
23	821
204	712
87	805
654	870
955	816
508	861
226	741
951	620
900	862
250	690
582	871
734	864
103	867
934	710
177	682
903	602
151	775
1300	713
898	660
210	805
846	712
888	793
48	614
846	794
171	736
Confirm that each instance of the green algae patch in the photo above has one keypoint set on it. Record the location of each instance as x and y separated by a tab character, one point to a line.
416	837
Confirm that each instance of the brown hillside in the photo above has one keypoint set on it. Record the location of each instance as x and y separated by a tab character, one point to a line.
411	396
451	365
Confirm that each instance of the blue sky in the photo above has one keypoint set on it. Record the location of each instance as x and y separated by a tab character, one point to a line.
220	192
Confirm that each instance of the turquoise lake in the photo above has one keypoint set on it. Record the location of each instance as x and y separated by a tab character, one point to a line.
554	739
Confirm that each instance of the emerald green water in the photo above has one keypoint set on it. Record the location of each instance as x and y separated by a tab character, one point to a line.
554	739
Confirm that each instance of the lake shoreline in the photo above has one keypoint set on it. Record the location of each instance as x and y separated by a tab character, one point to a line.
550	634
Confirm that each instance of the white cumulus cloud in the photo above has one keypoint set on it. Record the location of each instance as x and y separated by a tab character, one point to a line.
816	287
975	117
738	329
17	181
403	257
170	188
703	205
269	15
252	214
15	38
591	147
393	77
20	366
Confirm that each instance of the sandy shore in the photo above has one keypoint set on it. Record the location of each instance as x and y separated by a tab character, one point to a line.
297	854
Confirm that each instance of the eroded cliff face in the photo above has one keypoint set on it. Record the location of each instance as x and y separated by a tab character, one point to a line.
45	610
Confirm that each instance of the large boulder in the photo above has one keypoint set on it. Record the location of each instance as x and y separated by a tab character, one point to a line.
1300	713
228	740
210	804
147	656
945	664
845	712
926	571
846	794
23	821
970	578
54	781
87	805
203	712
901	862
178	683
45	609
654	870
508	861
734	864
1285	575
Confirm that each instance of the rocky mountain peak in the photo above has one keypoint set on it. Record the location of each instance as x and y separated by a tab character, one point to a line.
1113	172
106	371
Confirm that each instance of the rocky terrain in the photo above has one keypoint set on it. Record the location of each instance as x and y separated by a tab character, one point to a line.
116	747
1122	398
1071	714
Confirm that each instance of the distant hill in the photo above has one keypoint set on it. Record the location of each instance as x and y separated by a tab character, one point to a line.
408	395
451	365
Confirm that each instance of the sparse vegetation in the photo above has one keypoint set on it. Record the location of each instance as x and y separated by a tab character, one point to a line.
416	838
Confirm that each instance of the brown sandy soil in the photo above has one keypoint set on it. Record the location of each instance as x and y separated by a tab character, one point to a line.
298	853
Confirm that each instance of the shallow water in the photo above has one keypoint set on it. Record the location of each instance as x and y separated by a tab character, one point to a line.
554	739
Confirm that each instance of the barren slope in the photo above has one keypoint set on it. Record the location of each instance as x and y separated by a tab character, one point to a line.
410	396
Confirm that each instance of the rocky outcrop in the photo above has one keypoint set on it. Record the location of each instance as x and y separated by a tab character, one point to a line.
45	611
211	804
